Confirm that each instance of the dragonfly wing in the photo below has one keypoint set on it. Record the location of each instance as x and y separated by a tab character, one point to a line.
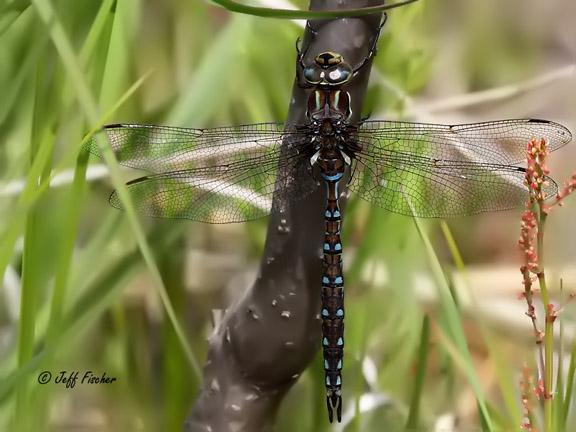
426	188
235	192
499	142
159	149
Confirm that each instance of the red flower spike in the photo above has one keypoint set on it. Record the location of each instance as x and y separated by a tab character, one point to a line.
539	389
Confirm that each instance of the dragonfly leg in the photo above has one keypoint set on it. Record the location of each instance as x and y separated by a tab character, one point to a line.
373	48
300	54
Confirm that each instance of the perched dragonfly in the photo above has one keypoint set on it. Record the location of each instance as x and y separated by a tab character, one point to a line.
241	173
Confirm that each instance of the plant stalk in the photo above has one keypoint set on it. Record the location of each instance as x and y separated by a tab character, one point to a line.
549	324
269	337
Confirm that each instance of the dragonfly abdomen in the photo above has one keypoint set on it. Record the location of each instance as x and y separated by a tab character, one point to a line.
333	298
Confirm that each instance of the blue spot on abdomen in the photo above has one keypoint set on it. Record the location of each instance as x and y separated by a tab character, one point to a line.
333	177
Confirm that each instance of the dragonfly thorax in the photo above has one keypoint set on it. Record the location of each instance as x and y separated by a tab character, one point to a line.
333	104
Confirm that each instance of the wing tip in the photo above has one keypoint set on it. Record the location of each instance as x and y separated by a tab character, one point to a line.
114	200
563	131
92	147
551	189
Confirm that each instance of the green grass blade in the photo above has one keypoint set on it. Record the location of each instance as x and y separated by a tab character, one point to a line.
9	14
41	139
68	240
233	6
196	105
453	320
508	386
417	390
96	30
569	384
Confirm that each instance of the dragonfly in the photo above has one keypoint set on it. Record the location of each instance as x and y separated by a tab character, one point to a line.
241	173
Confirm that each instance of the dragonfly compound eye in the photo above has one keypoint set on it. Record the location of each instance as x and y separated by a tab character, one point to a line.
312	74
339	75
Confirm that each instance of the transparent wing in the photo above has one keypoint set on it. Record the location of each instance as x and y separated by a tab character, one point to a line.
424	187
159	149
501	142
235	192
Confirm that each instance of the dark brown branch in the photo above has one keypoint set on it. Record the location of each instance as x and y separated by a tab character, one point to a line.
268	338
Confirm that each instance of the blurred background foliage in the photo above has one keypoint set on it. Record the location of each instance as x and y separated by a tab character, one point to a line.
77	294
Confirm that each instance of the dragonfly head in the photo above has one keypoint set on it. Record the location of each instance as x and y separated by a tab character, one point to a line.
329	69
328	59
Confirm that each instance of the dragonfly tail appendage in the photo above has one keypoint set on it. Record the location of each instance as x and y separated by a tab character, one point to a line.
334	403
